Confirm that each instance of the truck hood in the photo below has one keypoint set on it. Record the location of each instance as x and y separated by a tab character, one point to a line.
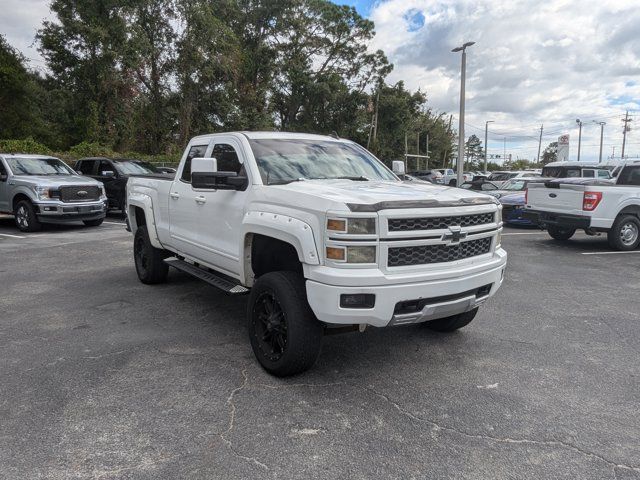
54	180
381	195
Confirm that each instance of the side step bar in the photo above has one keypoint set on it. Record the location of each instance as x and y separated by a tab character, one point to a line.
217	281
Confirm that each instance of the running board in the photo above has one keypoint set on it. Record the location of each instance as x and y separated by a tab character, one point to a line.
217	281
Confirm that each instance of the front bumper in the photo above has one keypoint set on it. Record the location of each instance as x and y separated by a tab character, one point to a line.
62	212
438	298
545	219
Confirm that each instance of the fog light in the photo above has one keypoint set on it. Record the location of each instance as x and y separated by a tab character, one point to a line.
357	300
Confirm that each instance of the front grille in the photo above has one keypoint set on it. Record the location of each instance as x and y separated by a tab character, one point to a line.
74	194
435	223
426	254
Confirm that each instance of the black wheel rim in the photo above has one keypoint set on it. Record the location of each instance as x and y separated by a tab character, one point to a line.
140	254
22	217
270	326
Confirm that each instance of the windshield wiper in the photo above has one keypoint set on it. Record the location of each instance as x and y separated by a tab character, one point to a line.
360	178
285	182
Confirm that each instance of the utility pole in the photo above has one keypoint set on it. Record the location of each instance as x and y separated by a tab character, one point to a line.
418	151
602	124
446	150
504	155
406	151
539	143
463	74
486	144
426	167
624	132
579	122
375	124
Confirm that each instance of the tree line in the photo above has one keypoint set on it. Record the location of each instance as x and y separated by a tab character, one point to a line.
147	75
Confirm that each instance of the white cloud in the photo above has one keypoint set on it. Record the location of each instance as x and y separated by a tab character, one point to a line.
534	62
19	22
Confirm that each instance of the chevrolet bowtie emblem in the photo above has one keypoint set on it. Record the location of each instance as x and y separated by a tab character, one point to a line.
82	193
455	234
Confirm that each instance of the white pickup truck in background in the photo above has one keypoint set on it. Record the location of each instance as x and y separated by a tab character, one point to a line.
321	234
563	206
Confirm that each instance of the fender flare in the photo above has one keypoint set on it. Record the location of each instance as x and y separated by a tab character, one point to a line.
631	209
139	200
283	227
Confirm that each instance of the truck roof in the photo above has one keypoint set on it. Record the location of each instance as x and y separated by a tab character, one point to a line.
274	135
26	155
576	164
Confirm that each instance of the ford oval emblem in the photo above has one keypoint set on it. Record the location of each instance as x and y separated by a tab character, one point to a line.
553	195
82	193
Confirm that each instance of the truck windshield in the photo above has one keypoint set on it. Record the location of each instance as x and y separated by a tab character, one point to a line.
288	160
38	166
134	167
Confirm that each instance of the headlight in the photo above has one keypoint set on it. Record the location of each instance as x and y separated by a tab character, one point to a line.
104	192
499	214
43	193
352	226
356	254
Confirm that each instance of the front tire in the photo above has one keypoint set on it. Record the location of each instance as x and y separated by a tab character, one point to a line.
149	260
93	223
561	234
455	322
284	333
625	233
26	218
453	183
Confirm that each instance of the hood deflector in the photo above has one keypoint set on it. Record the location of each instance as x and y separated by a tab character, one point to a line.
389	205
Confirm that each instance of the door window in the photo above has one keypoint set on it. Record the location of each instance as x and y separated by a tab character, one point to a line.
603	173
227	158
629	176
3	171
197	151
87	167
588	173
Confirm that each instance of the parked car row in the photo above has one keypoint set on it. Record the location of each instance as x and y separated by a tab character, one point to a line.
38	189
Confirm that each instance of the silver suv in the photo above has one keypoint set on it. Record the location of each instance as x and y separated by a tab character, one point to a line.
38	189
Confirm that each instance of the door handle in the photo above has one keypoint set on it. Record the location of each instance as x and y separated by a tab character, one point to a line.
201	200
174	195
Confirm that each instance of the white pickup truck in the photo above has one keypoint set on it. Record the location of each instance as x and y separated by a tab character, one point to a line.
564	205
321	234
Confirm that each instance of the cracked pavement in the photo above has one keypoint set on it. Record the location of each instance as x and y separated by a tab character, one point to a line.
103	377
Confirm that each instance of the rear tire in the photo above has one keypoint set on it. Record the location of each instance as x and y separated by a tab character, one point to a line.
450	324
26	218
93	223
285	335
148	259
560	234
625	233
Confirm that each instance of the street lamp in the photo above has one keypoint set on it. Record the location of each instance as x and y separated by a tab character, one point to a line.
579	122
463	72
602	124
486	145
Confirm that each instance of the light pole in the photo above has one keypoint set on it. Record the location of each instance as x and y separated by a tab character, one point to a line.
486	145
463	72
602	124
579	122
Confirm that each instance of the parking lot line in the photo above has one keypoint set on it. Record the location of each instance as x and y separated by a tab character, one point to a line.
10	236
115	223
608	253
523	233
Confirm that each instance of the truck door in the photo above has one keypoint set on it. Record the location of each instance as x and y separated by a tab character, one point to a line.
184	226
221	211
4	188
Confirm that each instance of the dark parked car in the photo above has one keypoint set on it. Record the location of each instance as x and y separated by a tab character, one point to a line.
516	185
513	209
479	184
114	173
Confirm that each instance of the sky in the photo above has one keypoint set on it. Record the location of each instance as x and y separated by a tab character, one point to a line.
533	63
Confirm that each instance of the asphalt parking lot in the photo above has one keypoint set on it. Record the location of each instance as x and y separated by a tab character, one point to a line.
103	377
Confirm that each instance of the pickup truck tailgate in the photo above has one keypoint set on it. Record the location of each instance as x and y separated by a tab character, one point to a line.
561	199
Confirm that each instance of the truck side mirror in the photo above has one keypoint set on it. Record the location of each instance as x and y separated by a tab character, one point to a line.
107	173
205	175
398	167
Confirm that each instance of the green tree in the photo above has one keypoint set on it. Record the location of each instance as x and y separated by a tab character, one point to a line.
473	150
84	48
550	153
